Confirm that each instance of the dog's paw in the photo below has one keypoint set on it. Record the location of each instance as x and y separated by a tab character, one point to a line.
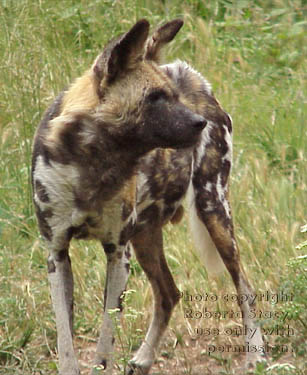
136	369
104	368
142	361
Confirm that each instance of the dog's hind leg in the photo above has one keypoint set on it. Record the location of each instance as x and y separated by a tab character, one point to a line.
212	224
219	227
148	246
116	280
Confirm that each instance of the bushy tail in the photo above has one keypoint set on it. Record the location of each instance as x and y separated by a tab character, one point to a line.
205	247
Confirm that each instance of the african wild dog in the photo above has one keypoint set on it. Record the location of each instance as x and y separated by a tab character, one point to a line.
113	158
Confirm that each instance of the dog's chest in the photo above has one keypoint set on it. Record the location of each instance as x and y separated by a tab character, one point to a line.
151	196
163	179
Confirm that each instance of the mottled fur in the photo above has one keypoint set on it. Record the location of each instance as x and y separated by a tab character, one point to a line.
113	158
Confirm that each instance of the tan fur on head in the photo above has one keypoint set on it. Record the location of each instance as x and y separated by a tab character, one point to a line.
81	96
117	108
127	64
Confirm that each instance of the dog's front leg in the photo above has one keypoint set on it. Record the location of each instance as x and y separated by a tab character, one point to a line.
116	280
61	283
148	246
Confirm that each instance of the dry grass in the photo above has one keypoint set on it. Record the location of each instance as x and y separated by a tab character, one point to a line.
255	64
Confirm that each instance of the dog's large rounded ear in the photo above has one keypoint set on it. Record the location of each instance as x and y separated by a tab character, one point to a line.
122	53
160	37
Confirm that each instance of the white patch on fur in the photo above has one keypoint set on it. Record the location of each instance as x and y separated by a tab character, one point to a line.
253	338
228	139
179	64
206	248
59	181
133	216
208	187
221	191
144	199
142	186
230	118
144	357
205	140
210	207
77	217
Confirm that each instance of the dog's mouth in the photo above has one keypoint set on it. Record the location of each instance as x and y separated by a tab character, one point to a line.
187	143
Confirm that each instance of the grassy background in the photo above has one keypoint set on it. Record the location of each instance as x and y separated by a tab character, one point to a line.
253	52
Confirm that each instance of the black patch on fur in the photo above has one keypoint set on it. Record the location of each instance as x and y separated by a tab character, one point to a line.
69	233
68	147
128	253
92	222
225	171
127	233
79	232
39	148
168	212
105	293
70	140
103	363
61	255
150	214
126	210
175	192
42	217
120	301
109	248
41	192
127	256
132	368
127	266
50	266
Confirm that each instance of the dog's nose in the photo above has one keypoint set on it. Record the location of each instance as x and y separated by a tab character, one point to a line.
199	122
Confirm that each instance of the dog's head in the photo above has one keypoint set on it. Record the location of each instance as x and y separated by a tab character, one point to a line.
138	101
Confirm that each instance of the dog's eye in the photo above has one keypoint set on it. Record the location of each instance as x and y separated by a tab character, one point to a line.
156	95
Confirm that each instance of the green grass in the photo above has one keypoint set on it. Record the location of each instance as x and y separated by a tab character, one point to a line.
254	55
